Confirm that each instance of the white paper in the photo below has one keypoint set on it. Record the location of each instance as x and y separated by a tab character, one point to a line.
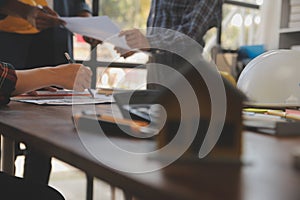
100	27
67	101
59	94
63	97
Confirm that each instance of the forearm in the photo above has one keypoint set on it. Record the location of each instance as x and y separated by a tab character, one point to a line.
68	76
29	80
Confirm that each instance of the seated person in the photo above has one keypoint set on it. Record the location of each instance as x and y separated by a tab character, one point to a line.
14	82
37	16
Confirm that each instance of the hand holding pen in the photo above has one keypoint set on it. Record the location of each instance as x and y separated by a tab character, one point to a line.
70	60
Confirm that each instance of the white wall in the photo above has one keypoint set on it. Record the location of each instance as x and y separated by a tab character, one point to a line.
269	28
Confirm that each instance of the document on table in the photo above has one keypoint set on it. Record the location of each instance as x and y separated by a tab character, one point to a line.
63	97
271	124
100	27
59	94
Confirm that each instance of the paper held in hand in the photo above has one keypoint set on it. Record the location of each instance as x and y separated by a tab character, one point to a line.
100	27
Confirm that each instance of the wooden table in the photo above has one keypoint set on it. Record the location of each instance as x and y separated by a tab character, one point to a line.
267	172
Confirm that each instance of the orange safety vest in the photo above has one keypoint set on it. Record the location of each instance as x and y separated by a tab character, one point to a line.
20	25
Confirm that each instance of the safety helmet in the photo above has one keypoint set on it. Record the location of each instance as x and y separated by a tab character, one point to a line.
272	79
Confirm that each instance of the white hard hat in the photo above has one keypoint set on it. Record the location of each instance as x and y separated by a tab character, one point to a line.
272	79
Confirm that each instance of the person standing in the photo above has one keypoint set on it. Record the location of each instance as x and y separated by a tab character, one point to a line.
171	24
40	46
192	18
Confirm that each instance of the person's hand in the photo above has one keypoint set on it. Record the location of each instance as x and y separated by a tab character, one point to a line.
123	52
135	39
93	42
68	76
43	17
50	89
73	76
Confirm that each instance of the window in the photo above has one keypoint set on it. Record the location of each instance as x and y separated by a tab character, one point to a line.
240	24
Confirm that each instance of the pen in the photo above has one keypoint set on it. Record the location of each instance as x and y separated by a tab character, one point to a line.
68	57
255	110
70	60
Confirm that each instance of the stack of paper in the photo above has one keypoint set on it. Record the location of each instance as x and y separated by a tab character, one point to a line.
63	97
276	122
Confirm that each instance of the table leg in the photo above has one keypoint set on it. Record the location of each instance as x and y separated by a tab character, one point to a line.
7	155
89	187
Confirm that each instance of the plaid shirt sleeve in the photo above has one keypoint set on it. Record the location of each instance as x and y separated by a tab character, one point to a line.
196	20
205	15
8	79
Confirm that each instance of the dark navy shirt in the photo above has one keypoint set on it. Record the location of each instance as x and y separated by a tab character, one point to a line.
2	2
